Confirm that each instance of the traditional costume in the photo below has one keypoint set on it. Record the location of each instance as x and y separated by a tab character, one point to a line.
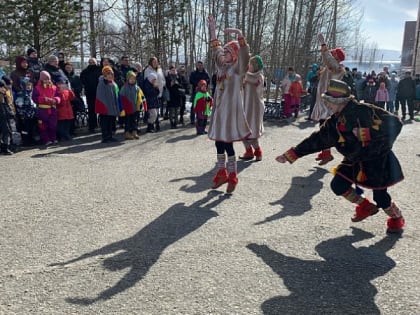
254	108
364	134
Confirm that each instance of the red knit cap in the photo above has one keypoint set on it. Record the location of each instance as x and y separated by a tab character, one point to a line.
233	48
338	54
201	83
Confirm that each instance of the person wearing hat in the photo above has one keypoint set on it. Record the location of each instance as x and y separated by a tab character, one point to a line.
333	69
107	104
6	114
21	71
151	91
133	100
65	114
364	135
35	65
176	91
254	108
202	105
228	121
46	96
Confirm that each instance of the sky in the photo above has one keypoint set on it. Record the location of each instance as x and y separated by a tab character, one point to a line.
384	20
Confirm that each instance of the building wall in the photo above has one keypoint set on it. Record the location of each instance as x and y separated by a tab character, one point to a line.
416	62
409	41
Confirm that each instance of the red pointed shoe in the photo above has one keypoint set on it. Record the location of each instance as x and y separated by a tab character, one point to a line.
258	154
364	210
232	182
248	155
220	178
395	225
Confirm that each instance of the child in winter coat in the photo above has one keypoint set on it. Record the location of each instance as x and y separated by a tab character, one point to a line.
254	108
47	97
26	113
65	113
296	91
133	100
382	95
202	107
151	91
107	103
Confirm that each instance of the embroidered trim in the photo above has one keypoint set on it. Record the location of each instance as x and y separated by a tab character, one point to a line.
290	155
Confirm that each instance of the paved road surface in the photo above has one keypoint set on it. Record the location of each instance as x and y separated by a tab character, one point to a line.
133	228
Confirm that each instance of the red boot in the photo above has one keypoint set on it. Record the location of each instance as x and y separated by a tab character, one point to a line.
395	225
248	155
395	221
324	157
220	178
232	182
258	154
364	210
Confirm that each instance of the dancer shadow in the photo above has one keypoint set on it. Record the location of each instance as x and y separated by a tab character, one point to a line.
181	138
297	199
203	182
340	284
141	251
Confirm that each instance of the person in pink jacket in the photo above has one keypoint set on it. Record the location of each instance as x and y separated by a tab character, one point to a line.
46	96
382	95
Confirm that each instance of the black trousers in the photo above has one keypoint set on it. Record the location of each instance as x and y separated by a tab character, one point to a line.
130	123
223	147
340	185
407	102
107	123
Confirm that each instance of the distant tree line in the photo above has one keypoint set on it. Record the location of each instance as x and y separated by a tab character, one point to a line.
283	32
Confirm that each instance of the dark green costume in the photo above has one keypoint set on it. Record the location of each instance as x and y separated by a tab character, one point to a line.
364	134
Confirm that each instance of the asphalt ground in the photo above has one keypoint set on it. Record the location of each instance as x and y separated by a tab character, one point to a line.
134	228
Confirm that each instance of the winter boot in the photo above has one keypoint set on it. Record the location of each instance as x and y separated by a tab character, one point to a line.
220	178
324	157
4	149
248	155
134	134
395	222
150	128
258	154
128	136
364	210
232	182
157	127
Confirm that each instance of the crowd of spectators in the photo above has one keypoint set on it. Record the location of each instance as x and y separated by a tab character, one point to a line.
72	93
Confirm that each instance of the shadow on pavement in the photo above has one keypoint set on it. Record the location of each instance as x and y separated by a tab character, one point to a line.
297	199
141	251
203	182
340	284
183	138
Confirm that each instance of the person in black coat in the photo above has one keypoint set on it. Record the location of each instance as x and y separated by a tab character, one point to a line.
89	78
406	91
173	83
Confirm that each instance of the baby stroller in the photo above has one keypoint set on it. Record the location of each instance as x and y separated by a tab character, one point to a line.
80	113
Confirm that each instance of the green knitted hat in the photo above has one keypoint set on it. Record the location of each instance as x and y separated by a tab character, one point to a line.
257	63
